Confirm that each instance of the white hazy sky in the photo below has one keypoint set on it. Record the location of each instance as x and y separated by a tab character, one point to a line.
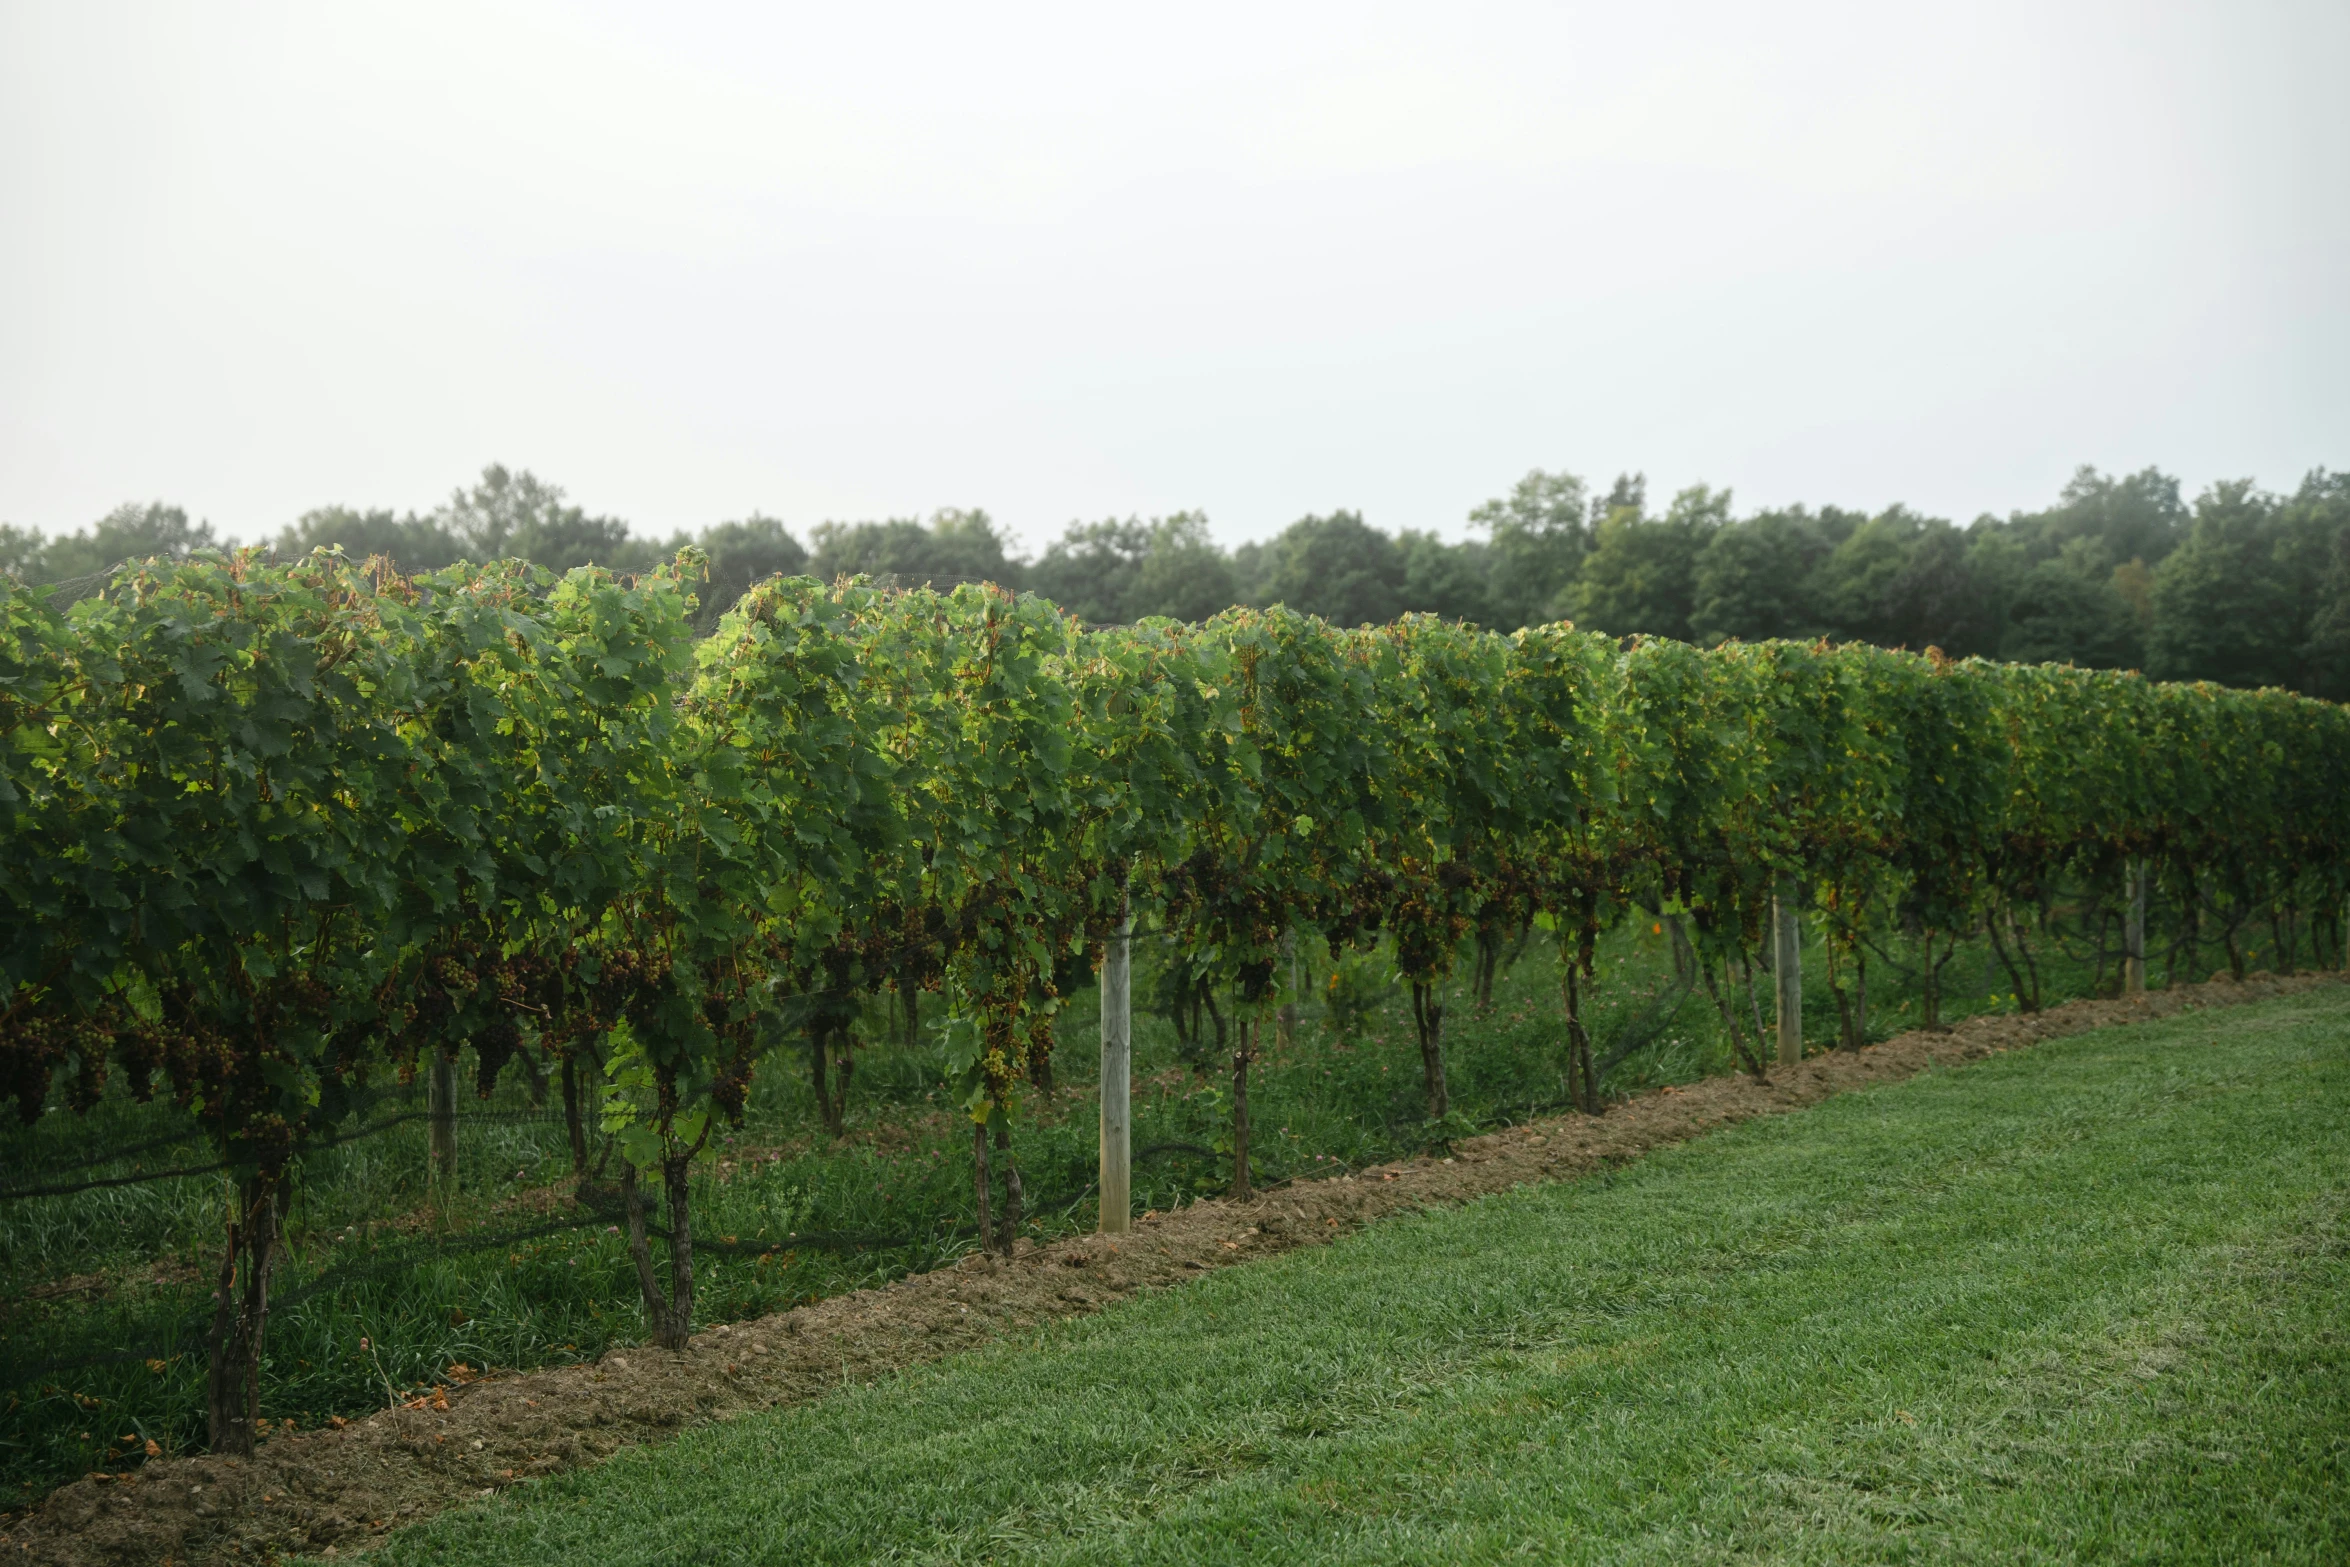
845	261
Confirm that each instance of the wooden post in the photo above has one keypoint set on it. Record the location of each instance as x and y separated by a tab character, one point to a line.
1117	1182
1285	1021
2134	934
1787	969
440	1103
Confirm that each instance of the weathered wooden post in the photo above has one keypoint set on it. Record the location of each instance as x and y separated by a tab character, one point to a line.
2134	934
1285	1020
1117	1182
440	1105
1787	969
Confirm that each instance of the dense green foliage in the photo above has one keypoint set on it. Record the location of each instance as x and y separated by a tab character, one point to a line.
2242	587
276	833
2082	1303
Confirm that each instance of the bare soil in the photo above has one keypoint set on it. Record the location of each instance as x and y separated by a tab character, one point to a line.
334	1491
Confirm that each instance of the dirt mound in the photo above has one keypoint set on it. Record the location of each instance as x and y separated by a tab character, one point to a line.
333	1491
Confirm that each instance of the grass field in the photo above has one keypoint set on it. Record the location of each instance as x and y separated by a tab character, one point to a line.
104	1295
2086	1302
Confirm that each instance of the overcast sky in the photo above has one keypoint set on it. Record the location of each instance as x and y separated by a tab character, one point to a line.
850	261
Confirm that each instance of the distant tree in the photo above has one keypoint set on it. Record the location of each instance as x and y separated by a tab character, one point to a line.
2325	653
2315	529
2134	581
1999	555
741	554
1642	572
1092	569
1252	572
2136	518
2305	539
129	532
517	515
1628	493
2224	609
2068	611
955	546
1115	573
1756	579
511	515
1537	537
1338	567
1871	588
1452	580
1854	591
1936	596
1183	575
414	543
20	553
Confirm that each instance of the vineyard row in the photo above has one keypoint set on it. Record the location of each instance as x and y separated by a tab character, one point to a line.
274	833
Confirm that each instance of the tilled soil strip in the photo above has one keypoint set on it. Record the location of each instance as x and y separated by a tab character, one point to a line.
334	1491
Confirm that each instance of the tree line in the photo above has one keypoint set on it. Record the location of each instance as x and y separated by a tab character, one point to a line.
2242	586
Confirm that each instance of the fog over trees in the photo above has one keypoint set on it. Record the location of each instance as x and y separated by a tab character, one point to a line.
2242	585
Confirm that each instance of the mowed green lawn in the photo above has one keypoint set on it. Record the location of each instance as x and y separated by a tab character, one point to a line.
2089	1302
